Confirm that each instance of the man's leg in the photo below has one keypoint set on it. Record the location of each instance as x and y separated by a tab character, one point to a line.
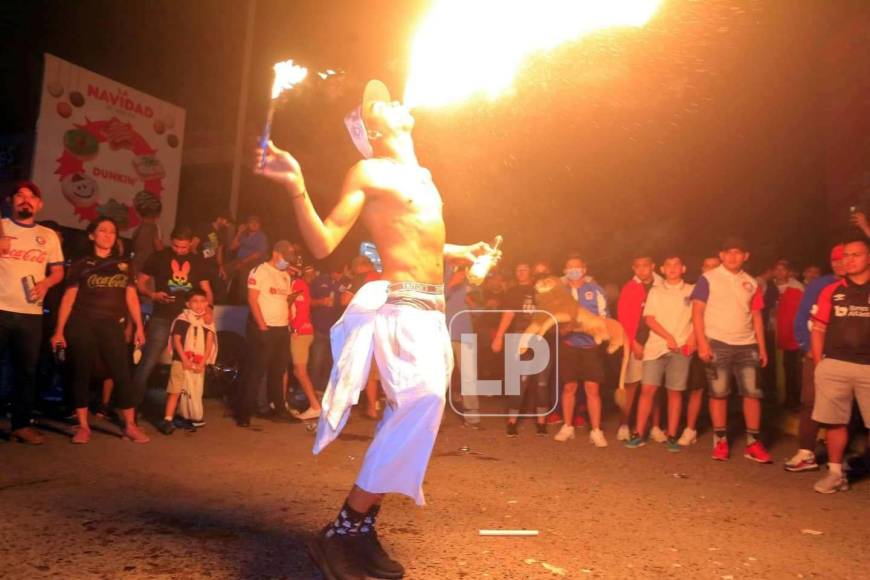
24	341
808	431
156	341
719	379
644	406
300	351
792	364
467	387
569	395
676	382
675	411
277	357
625	413
593	403
245	400
320	362
693	409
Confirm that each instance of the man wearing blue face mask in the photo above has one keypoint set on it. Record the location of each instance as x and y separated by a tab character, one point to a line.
580	359
269	289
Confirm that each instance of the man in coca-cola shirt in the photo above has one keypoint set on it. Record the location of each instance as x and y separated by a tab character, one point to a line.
31	262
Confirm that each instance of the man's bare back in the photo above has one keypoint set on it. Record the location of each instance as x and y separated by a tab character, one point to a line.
403	214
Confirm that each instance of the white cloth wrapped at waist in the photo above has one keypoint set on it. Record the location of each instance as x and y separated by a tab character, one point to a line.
353	342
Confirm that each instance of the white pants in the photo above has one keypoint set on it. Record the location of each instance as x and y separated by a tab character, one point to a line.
414	357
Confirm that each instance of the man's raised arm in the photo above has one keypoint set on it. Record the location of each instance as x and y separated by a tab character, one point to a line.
321	236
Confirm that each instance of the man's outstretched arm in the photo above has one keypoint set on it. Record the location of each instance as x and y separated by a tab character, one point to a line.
321	236
456	253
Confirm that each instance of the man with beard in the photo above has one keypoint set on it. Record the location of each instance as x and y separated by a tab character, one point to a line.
27	253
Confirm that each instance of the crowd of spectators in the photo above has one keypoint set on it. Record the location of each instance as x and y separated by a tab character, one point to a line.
777	341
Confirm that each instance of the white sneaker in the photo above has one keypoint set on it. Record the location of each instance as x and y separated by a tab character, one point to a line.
565	433
596	437
658	435
689	437
803	460
623	433
832	483
308	414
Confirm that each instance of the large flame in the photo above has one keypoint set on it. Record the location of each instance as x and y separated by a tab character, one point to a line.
470	47
287	75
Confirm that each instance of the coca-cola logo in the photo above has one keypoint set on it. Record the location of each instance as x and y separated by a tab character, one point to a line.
116	281
32	255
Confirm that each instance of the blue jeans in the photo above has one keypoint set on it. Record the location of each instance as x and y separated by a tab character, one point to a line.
156	341
320	360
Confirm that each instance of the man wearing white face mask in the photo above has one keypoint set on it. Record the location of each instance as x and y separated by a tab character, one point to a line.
580	359
269	288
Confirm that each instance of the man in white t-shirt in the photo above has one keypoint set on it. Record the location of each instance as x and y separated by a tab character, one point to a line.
31	262
668	350
269	290
726	315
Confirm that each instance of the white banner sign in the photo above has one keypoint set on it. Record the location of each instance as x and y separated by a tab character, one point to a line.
103	148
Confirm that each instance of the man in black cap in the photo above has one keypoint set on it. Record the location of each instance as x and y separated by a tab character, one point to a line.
399	320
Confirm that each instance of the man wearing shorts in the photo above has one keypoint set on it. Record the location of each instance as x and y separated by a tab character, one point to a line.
726	314
841	351
697	379
668	350
808	430
629	311
301	339
580	359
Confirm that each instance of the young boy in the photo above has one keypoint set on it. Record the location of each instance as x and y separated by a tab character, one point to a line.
629	311
667	353
194	345
697	379
726	315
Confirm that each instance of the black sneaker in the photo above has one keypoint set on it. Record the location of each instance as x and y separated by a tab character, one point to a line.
374	559
541	429
166	427
335	557
512	430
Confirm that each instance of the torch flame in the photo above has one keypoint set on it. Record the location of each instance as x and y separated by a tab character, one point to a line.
287	75
465	48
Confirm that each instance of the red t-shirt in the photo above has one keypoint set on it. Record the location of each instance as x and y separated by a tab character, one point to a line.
300	311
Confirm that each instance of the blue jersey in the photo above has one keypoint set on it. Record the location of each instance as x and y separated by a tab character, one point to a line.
591	297
806	309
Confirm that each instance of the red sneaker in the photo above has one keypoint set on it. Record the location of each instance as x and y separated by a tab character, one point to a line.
554	418
579	421
757	452
720	451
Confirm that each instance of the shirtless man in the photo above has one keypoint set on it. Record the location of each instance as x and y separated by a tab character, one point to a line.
400	206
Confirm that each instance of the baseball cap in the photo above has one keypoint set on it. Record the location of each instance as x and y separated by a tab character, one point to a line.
355	121
27	185
733	242
284	248
375	92
837	252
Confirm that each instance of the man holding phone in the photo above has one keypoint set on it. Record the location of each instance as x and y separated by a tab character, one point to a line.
175	271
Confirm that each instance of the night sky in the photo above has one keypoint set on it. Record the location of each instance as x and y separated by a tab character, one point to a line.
709	121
